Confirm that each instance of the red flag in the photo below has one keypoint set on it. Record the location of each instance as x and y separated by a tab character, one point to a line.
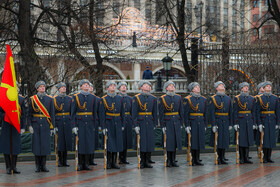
8	92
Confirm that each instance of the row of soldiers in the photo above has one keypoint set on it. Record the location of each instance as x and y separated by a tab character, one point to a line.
119	114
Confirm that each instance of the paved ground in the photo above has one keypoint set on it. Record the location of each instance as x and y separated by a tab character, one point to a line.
208	175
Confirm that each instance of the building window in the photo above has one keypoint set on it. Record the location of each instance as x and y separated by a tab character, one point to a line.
225	11
137	4
148	6
255	3
233	12
242	24
234	24
225	1
225	23
254	32
116	9
255	17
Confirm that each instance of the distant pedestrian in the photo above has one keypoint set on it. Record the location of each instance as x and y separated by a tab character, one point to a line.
147	74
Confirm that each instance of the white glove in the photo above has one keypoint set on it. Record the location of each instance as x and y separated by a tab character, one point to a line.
254	127
277	127
164	130
75	130
214	128
188	130
122	128
137	130
229	128
236	127
261	128
52	132
205	128
31	129
22	131
104	131
55	130
99	128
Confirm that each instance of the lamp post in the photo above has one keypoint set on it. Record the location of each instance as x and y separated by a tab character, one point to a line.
167	63
198	13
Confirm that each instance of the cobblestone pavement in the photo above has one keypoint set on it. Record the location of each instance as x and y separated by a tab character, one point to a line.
208	175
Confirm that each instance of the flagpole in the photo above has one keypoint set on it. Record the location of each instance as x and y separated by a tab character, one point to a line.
11	145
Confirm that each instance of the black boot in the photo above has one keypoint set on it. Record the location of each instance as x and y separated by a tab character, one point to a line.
241	155
265	156
65	163
15	165
8	163
114	161
60	159
223	157
219	152
125	157
198	153
85	162
80	163
147	162
150	157
109	160
193	157
37	162
173	156
43	164
247	153
142	160
269	156
197	158
169	159
121	158
246	156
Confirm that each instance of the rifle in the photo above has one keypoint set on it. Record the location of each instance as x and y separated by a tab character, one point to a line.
189	149
215	148
164	144
105	151
138	150
261	147
76	152
56	152
237	147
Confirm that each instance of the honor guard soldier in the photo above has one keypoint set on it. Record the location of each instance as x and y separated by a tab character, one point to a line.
41	120
268	119
127	133
244	120
145	120
91	156
220	114
195	116
171	121
83	116
112	119
63	128
256	131
9	133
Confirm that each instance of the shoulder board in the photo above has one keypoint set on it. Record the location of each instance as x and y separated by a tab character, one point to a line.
104	96
189	96
152	95
163	96
138	94
49	96
178	95
275	95
204	97
20	95
213	96
76	94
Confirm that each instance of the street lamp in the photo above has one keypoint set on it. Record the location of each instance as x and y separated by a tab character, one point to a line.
198	13
167	63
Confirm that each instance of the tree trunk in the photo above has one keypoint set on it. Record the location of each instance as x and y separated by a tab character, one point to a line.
31	69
